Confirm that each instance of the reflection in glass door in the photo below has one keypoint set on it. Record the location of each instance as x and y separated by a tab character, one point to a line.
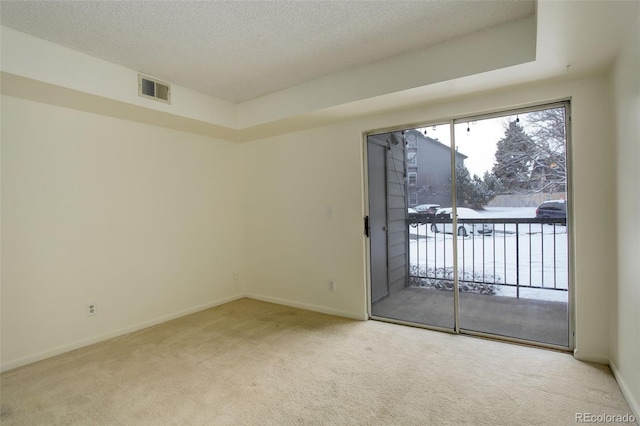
419	183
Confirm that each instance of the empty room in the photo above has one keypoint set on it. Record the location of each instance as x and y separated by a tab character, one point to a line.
319	212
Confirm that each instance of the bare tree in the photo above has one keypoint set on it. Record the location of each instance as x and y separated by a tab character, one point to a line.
531	157
547	130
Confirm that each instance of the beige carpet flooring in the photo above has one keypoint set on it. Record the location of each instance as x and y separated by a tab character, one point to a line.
255	363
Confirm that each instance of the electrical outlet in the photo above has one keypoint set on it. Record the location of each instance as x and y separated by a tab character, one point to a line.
92	309
332	285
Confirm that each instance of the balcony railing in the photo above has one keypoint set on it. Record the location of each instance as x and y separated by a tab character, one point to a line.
519	257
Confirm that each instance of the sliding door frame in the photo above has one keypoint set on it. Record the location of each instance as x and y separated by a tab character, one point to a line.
561	103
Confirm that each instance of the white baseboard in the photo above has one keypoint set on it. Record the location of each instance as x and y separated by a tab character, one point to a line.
584	356
15	363
634	404
308	307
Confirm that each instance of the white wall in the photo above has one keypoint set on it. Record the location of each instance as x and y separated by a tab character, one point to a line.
292	249
625	315
142	220
150	223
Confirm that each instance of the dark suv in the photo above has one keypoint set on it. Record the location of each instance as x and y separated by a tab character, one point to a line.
552	209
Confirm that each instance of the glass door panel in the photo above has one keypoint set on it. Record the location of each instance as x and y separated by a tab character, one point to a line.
513	259
426	294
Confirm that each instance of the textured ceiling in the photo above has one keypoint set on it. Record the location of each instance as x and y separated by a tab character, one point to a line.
240	50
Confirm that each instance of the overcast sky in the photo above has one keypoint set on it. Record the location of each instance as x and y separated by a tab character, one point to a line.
479	144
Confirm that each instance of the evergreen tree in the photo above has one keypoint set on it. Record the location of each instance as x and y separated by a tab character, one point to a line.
493	183
515	157
472	192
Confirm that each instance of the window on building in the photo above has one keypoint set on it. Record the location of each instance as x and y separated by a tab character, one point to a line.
412	157
412	178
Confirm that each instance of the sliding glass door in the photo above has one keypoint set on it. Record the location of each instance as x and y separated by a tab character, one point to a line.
484	208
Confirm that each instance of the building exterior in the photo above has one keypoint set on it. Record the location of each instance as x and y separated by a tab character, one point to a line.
429	169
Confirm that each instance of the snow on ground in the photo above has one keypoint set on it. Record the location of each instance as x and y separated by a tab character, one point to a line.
528	254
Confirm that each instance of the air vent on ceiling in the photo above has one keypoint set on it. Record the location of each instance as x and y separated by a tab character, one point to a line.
155	89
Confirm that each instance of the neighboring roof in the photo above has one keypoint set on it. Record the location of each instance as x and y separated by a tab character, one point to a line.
436	142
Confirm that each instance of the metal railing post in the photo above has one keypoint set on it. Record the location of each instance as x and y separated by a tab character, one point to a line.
434	267
517	261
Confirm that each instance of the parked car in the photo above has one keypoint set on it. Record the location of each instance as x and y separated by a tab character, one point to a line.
427	208
464	229
411	211
552	209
